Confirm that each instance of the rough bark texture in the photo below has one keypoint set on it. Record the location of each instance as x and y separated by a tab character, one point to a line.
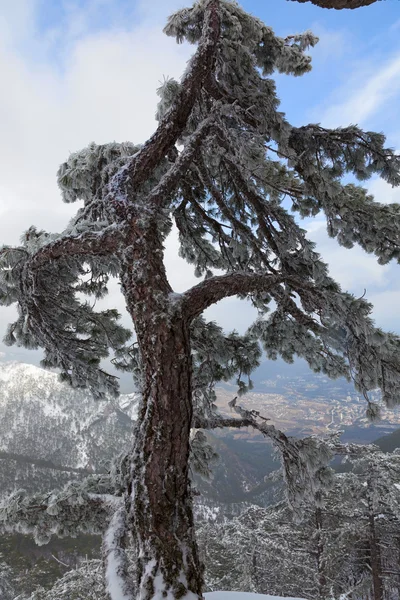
160	503
159	499
208	292
339	4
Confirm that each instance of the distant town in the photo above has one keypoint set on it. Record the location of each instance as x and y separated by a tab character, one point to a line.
309	404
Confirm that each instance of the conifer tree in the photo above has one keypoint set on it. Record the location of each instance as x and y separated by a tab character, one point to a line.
222	165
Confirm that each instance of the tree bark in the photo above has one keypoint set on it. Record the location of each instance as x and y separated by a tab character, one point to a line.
159	495
339	4
162	503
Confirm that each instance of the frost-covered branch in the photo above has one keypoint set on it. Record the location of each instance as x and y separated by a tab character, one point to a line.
352	214
84	507
46	278
174	121
91	243
102	243
304	461
170	180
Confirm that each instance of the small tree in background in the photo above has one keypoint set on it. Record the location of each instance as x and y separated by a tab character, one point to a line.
222	166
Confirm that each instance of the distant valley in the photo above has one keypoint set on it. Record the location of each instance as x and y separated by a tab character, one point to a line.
303	403
50	434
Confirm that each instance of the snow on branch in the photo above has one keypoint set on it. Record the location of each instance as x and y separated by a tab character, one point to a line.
174	121
77	508
46	278
100	243
170	180
304	461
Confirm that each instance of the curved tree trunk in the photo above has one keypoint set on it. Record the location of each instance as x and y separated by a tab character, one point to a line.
160	501
339	4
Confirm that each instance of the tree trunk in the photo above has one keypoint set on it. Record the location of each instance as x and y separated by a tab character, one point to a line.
160	501
162	504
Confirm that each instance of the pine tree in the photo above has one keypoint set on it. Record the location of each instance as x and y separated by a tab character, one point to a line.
222	165
378	496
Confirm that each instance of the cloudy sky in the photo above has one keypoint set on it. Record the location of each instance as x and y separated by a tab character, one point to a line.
76	71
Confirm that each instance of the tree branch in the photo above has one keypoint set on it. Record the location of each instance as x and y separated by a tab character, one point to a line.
68	512
103	243
171	179
174	122
301	459
199	297
247	420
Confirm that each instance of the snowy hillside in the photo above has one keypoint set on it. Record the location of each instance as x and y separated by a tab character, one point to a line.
47	421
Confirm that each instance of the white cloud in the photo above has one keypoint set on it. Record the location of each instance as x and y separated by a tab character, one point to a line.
395	25
386	309
365	98
105	90
353	268
157	11
383	192
332	46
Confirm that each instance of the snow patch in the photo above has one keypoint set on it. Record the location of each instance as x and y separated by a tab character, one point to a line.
115	564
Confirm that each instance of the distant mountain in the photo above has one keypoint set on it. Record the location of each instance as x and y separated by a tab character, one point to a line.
238	475
50	434
49	431
389	443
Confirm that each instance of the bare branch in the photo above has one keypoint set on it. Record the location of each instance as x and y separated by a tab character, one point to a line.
247	420
300	473
208	292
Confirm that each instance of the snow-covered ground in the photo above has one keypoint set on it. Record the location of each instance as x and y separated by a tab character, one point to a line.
243	596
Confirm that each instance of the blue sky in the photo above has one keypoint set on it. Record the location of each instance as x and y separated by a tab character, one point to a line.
80	71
